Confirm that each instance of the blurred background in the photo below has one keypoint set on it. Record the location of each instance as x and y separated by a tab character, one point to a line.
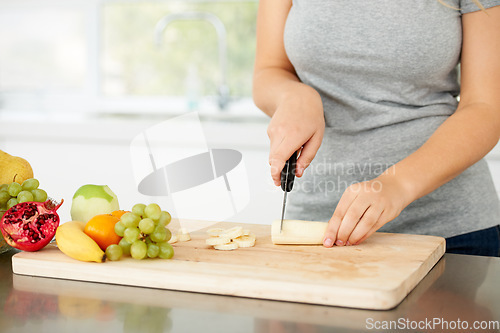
80	79
111	56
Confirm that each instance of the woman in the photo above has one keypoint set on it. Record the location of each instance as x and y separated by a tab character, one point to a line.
367	90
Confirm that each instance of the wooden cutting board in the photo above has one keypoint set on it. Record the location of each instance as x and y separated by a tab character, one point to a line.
377	274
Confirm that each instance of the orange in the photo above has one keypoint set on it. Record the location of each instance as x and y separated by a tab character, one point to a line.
118	213
101	228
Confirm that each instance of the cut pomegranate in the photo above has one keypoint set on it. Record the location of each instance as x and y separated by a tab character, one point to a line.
29	226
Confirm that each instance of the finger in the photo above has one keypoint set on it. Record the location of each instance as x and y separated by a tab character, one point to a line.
333	225
279	156
351	219
381	221
276	136
276	167
308	153
365	225
275	140
374	229
331	230
277	159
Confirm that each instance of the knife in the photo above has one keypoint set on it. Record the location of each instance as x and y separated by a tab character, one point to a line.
287	179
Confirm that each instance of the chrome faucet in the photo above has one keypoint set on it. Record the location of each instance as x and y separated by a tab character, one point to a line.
220	29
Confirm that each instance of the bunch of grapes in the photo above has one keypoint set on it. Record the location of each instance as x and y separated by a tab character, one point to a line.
14	193
144	234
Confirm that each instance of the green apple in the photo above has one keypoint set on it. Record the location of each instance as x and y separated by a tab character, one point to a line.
91	200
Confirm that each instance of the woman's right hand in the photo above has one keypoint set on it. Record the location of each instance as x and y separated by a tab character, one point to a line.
296	108
298	122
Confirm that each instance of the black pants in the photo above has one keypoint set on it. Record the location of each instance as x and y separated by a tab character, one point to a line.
485	242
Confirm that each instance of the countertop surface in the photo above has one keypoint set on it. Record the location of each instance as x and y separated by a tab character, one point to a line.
459	290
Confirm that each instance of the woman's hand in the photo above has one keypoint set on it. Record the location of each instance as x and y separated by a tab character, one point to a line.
298	122
296	108
365	207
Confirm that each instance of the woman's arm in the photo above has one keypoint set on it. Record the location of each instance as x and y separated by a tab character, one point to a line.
462	140
296	109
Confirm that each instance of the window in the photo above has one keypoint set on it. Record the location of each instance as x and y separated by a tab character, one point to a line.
42	53
103	56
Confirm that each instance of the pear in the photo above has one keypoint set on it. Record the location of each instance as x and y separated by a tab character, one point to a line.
14	169
91	200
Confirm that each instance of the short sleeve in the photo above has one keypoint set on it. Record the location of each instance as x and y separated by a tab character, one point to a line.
468	6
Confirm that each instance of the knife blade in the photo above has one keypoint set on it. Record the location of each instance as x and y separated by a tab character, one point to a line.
287	179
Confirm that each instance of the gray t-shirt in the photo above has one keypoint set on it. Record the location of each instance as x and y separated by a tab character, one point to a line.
387	74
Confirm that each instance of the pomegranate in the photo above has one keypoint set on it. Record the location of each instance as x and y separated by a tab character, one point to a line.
29	226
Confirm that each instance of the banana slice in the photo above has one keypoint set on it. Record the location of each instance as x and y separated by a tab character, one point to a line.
173	239
183	235
221	240
245	240
233	232
215	231
230	239
226	247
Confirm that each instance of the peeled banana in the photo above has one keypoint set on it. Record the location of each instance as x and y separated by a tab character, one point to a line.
73	242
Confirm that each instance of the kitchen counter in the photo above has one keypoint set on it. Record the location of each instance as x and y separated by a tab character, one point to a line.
459	290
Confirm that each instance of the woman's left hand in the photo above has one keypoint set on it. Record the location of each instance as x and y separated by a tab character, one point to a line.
364	208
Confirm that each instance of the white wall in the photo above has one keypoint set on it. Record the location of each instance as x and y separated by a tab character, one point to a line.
68	154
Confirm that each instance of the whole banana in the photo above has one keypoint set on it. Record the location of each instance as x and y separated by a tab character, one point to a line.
73	242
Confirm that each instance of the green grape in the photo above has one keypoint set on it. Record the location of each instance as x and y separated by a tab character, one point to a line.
169	234
147	226
4	187
14	189
165	218
25	196
30	184
12	202
125	246
114	252
131	234
148	240
159	235
138	250
153	211
153	250
130	220
166	250
4	197
138	209
119	228
39	195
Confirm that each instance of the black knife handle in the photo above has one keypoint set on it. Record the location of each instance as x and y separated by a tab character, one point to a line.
289	169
